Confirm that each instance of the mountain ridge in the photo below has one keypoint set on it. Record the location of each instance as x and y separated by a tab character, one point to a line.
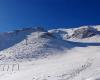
37	42
32	54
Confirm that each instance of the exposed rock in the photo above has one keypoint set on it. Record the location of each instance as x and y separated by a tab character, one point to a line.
46	35
84	32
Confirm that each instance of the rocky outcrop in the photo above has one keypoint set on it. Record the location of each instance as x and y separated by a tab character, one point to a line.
84	32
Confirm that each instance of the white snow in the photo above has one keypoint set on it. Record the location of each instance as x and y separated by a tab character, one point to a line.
48	58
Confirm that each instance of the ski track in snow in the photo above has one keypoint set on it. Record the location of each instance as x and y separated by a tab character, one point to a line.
77	71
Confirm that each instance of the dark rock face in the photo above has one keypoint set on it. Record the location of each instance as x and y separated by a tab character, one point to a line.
46	35
84	32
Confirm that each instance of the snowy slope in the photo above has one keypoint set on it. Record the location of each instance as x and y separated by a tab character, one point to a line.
77	64
49	56
66	34
31	44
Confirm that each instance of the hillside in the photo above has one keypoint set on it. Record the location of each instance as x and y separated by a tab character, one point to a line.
57	54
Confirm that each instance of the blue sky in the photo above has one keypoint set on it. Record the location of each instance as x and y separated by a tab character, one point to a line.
16	14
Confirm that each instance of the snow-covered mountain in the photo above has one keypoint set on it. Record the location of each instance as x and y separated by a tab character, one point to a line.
83	33
30	43
57	54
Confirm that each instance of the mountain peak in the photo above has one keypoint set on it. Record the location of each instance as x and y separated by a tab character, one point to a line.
85	32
